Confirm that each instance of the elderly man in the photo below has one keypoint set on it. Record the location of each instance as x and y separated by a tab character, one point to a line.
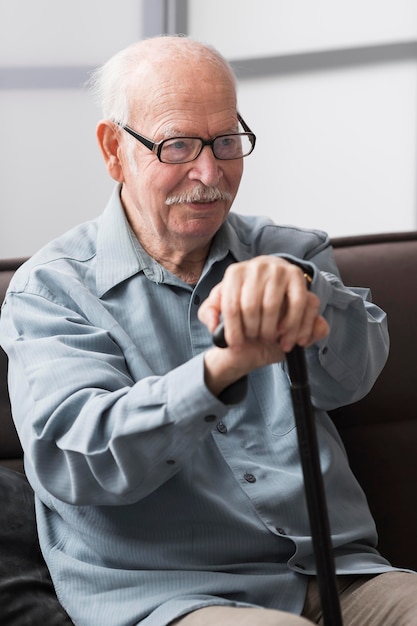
166	470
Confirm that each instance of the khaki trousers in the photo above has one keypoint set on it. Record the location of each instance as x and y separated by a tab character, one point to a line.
388	599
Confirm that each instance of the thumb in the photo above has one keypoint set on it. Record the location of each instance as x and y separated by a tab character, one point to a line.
320	331
210	310
322	328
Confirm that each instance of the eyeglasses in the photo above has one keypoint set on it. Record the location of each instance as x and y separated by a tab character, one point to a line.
178	150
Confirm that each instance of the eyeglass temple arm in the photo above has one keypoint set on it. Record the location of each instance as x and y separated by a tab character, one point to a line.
243	123
146	142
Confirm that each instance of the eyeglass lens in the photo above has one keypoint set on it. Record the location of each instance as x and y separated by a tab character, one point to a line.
181	150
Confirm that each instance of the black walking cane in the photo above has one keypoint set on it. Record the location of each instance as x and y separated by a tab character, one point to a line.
313	481
314	487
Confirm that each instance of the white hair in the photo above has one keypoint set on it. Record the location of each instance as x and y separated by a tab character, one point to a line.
111	83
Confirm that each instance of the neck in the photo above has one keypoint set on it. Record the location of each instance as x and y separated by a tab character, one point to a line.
189	271
186	265
183	256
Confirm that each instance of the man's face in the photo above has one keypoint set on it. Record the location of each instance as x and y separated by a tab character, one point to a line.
183	103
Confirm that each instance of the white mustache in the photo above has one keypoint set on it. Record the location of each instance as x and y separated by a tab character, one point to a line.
200	194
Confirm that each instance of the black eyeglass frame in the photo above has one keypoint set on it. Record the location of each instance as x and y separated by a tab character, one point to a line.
156	146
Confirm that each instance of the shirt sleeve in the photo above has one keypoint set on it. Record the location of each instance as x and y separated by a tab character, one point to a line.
344	366
99	432
93	433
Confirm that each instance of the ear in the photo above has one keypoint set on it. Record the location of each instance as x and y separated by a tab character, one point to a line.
108	140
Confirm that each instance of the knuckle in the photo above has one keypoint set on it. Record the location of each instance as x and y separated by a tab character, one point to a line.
249	310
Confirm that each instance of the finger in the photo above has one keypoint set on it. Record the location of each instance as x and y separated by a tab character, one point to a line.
274	310
311	313
263	297
230	305
299	313
320	331
252	301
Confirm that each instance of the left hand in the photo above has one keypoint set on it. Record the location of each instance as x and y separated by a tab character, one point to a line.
265	299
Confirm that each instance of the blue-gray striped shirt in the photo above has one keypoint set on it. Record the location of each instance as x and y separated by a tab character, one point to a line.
153	496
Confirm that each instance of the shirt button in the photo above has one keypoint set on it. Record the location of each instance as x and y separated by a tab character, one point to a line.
222	428
210	418
170	462
250	478
281	531
197	299
299	565
325	350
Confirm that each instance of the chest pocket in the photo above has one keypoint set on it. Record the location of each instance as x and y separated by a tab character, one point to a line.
271	390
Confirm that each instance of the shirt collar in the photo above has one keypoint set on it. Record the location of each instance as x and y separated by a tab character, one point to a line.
229	239
120	256
116	256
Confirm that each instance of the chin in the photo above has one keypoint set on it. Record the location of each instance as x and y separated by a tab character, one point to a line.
207	226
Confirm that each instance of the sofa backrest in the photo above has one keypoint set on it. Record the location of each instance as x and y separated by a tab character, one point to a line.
380	431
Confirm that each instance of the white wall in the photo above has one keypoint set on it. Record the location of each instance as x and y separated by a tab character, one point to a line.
53	32
344	157
337	142
336	145
52	175
248	28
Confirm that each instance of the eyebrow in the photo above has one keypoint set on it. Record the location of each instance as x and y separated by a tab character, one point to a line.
170	132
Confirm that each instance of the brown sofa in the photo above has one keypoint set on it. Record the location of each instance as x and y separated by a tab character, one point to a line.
380	432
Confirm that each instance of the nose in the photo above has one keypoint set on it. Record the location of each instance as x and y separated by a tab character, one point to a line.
206	168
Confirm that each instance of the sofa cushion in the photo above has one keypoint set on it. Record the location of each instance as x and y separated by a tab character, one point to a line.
27	596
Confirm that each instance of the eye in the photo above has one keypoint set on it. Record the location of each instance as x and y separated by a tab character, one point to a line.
228	141
179	149
177	144
228	146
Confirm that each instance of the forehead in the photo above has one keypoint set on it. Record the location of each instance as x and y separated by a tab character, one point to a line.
184	98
